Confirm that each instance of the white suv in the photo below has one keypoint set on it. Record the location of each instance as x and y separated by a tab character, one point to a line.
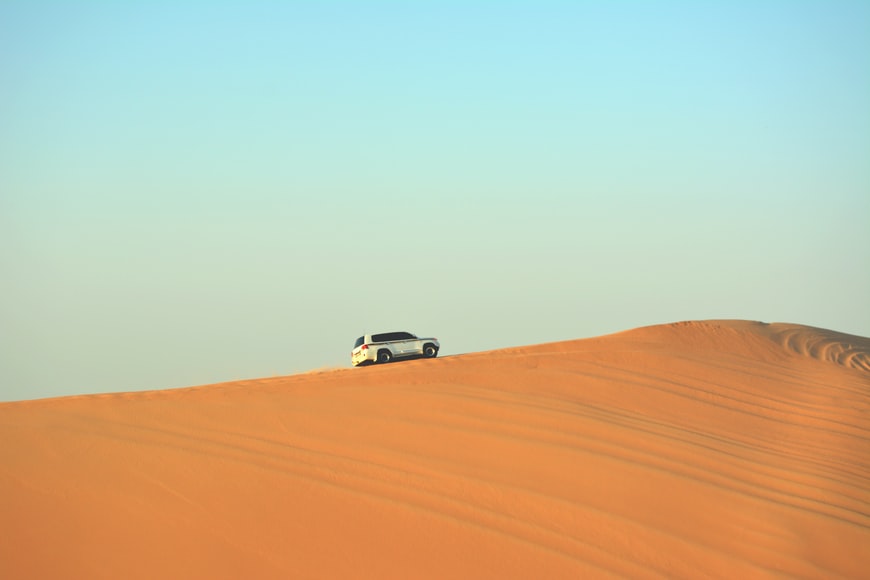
383	348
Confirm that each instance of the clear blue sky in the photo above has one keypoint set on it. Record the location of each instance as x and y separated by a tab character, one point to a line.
198	192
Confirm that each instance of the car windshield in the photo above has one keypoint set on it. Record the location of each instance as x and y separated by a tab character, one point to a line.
359	341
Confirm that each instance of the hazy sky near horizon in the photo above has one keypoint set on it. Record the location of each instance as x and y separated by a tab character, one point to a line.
199	192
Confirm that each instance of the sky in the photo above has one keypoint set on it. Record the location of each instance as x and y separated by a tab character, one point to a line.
200	192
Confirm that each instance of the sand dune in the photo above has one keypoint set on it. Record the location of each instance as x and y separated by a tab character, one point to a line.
723	449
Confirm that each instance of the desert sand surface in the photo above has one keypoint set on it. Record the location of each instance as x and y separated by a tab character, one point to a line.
710	449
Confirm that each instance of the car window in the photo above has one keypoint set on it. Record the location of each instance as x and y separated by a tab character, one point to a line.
391	336
359	341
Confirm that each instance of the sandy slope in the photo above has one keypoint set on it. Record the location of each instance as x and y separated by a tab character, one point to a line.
721	449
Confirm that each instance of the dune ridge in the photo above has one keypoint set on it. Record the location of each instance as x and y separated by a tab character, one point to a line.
696	449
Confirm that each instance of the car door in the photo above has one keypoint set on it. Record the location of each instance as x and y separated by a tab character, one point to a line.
392	340
383	340
407	343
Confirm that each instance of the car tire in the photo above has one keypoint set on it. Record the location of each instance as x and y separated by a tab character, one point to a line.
429	351
384	356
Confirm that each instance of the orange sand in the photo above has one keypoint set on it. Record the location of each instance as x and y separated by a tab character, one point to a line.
721	449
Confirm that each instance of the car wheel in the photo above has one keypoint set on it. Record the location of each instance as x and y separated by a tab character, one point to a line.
384	356
429	351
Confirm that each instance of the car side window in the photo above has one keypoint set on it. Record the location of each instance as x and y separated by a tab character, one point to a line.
392	336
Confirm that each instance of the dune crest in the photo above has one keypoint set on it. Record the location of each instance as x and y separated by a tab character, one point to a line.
844	349
759	340
698	449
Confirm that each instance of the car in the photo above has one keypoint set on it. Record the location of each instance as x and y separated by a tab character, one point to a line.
388	346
